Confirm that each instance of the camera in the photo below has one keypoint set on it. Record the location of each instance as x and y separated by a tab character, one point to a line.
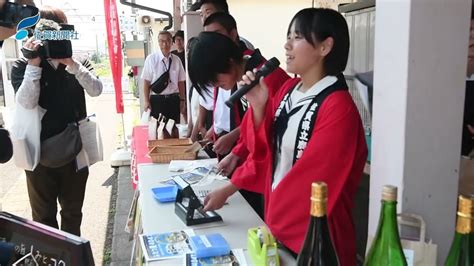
57	49
50	48
11	14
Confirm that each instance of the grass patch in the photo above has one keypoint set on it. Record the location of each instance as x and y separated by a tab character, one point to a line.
107	256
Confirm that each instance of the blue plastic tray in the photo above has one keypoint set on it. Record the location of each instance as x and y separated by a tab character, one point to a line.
165	193
209	245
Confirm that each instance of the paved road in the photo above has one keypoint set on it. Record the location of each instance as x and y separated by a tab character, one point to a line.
9	175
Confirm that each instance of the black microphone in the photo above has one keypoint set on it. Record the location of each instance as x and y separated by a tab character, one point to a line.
266	69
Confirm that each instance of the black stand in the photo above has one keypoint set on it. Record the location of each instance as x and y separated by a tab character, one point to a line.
189	208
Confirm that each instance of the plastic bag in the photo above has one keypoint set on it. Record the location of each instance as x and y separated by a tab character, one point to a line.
91	140
145	117
25	133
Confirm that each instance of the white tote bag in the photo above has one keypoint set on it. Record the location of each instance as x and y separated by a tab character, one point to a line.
145	117
25	134
417	251
91	139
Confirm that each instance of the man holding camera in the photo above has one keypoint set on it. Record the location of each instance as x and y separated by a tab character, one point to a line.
163	77
50	78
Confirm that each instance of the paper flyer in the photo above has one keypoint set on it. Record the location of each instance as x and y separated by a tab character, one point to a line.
235	258
200	176
166	245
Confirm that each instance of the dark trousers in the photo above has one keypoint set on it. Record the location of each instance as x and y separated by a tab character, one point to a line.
47	186
167	105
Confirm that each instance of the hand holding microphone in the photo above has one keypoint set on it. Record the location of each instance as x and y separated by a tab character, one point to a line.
257	97
251	79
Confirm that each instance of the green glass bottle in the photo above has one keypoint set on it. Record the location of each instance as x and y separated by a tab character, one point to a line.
318	249
386	248
461	252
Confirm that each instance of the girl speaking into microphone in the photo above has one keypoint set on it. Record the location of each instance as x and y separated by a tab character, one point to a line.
310	130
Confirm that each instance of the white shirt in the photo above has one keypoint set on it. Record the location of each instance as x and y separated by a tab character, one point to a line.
194	106
222	112
247	43
156	64
206	100
284	159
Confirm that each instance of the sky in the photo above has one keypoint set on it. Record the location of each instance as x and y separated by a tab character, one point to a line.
88	18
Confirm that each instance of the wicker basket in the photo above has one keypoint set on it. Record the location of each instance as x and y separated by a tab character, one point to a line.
170	149
168	142
166	158
165	153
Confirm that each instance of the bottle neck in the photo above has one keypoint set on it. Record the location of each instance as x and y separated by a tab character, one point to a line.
461	249
318	207
388	220
464	224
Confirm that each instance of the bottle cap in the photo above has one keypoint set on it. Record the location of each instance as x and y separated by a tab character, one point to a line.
389	193
465	221
466	206
319	191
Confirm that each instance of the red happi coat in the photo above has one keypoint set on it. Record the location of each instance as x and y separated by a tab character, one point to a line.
336	154
274	81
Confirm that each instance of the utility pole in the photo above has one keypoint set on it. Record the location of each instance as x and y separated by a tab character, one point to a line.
96	48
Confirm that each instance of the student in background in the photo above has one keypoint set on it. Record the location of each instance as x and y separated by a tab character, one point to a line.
209	7
225	24
199	123
226	126
217	60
